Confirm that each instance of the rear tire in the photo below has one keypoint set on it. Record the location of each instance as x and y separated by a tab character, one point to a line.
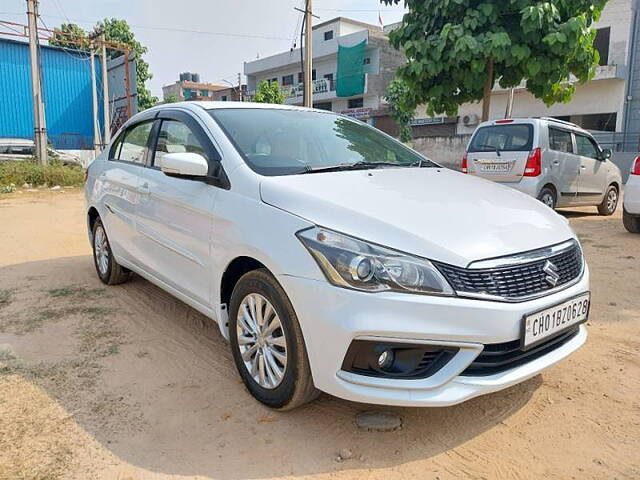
109	271
631	222
609	202
548	197
262	302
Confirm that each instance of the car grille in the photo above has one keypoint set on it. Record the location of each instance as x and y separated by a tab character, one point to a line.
499	357
517	281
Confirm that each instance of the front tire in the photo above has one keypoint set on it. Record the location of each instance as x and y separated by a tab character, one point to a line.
631	222
267	344
609	202
109	271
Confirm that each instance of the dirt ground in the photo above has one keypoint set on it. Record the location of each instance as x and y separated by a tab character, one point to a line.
128	383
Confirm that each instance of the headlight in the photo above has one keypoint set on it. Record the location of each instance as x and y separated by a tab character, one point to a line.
352	263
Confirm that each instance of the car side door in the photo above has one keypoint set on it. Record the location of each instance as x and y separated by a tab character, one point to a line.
175	213
119	184
593	171
564	165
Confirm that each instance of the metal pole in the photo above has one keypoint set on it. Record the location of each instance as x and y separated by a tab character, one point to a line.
308	49
40	129
508	112
105	93
94	93
239	86
127	86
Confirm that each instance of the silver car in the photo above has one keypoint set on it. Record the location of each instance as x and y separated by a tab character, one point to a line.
555	161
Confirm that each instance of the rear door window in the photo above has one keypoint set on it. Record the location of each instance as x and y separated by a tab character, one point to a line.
586	147
134	143
515	138
560	140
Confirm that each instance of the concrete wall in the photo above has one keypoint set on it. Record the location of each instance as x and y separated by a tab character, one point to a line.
447	151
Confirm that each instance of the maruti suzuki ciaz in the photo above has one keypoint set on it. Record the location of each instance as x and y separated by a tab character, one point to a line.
333	257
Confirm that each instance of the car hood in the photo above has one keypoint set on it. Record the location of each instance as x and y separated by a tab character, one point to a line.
434	213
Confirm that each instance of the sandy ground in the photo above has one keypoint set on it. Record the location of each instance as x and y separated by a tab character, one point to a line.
128	383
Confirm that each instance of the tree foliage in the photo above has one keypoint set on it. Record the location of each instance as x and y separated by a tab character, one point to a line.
70	35
115	30
401	113
450	46
269	92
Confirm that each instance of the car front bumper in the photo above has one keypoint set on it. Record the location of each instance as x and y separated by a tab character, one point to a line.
331	318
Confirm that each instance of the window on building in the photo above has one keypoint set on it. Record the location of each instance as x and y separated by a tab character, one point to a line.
329	78
586	147
134	143
273	80
223	98
176	137
560	140
322	106
204	93
313	74
300	77
356	103
367	61
601	44
328	35
287	80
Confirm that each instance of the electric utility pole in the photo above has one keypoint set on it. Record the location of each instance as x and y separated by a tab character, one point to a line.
94	93
39	123
308	61
239	87
105	93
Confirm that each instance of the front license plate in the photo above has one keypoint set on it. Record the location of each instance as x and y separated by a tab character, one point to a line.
546	323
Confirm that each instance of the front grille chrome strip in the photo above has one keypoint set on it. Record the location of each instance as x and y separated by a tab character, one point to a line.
525	257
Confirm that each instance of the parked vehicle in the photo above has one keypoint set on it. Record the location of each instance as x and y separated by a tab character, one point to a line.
554	161
333	257
631	203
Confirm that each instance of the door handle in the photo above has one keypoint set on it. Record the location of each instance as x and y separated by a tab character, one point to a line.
556	163
583	167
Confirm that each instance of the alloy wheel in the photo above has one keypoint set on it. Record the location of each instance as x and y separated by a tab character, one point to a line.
101	248
612	200
547	199
261	341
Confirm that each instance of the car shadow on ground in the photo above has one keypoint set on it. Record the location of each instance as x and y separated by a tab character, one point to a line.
152	382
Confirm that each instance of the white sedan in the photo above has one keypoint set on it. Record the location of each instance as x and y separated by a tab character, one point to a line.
334	258
631	204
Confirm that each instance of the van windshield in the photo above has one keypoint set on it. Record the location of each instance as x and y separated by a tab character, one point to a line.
514	138
288	142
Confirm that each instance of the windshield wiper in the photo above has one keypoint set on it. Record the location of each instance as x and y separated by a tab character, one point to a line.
362	165
496	148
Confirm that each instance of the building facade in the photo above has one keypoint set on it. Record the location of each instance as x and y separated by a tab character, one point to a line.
380	61
189	87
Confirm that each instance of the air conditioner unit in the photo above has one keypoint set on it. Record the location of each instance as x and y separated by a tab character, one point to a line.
470	120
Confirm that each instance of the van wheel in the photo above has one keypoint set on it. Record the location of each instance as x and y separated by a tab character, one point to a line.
609	202
548	197
267	344
109	271
631	222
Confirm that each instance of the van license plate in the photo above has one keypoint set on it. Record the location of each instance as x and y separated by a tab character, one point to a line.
495	167
546	323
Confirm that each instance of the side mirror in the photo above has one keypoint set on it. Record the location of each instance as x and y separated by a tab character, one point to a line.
186	164
605	154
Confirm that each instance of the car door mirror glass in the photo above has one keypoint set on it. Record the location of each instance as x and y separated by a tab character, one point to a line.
184	164
605	154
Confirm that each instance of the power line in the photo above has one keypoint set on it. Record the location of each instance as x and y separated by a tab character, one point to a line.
185	30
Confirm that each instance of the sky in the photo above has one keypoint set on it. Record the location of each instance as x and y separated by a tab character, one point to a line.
210	37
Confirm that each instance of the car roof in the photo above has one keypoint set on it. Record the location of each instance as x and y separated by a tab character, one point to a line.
209	105
535	120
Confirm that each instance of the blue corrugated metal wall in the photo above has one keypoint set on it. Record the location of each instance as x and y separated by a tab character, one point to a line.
66	84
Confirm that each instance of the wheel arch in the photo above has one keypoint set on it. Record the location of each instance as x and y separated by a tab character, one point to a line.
92	216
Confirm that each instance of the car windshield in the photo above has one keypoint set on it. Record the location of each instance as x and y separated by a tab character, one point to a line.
513	138
287	142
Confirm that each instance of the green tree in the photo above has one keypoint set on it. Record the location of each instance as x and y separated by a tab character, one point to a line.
70	35
269	92
402	114
171	99
457	49
117	30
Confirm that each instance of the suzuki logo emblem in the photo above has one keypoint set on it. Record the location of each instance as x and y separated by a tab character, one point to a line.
552	276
